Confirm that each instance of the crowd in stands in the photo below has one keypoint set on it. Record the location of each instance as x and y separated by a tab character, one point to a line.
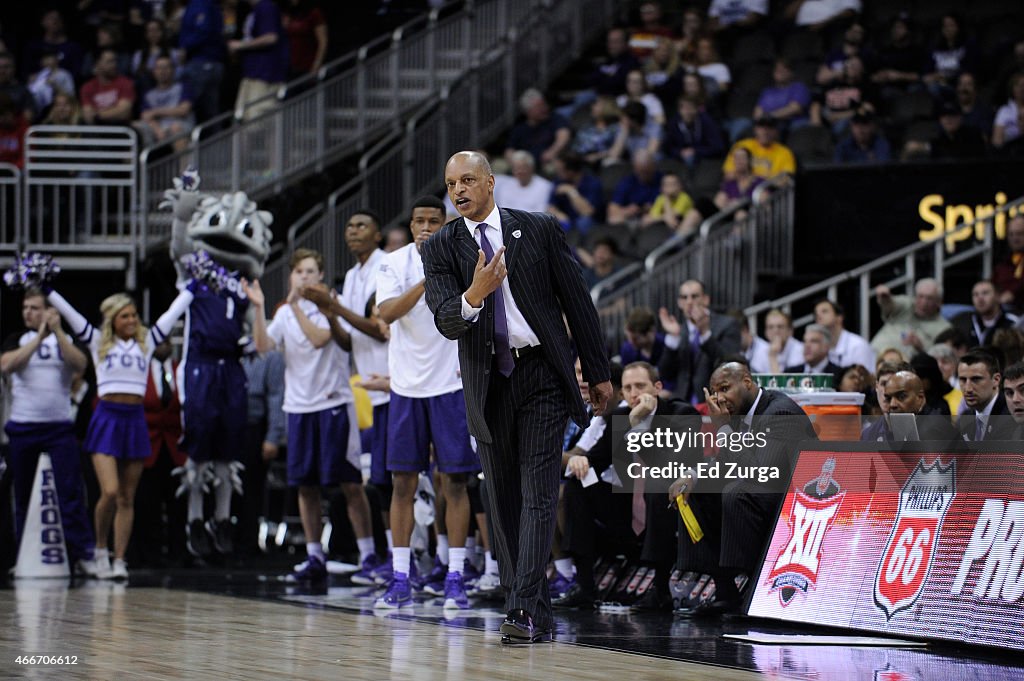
221	55
728	95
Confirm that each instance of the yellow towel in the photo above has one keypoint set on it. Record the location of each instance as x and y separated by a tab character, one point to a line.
364	408
689	520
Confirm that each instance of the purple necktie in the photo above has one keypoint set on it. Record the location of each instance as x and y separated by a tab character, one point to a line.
502	349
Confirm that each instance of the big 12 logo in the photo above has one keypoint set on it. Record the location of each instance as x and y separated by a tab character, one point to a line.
796	567
906	561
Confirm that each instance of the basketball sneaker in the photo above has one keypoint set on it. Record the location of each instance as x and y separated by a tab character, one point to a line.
433	581
559	585
364	576
313	569
455	592
487	585
398	595
88	567
119	570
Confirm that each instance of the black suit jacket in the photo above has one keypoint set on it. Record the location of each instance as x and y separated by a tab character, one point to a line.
1001	427
964	322
693	374
784	425
546	283
789	426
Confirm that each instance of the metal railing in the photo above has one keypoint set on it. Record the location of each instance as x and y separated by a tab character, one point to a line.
468	113
346	105
732	248
81	182
908	260
10	207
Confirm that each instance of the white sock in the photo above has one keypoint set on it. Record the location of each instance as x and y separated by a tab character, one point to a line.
365	547
458	559
491	563
101	556
195	503
442	548
315	549
391	542
470	546
401	556
564	567
222	510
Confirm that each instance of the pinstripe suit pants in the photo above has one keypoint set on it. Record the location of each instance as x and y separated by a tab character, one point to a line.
526	414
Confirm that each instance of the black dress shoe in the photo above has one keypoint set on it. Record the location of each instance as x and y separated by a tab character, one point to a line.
653	601
539	636
710	609
575	597
518	627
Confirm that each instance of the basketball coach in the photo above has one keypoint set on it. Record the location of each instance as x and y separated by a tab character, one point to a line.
504	284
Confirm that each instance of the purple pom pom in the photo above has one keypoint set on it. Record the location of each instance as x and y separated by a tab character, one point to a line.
31	270
202	268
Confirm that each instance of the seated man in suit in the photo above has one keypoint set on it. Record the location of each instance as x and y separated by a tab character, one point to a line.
904	393
738	521
987	417
689	358
878	430
817	341
596	508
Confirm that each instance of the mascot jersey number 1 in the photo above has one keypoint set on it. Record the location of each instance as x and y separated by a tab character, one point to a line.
215	240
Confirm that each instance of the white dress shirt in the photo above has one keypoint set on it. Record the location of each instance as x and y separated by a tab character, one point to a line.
852	349
519	332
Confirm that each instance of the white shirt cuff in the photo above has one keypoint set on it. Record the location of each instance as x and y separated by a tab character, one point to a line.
672	342
469	313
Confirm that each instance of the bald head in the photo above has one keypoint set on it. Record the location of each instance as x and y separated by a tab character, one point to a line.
475	159
905	393
470	184
735	371
733	388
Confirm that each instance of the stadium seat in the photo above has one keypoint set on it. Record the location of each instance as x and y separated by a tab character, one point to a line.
707	178
811	144
921	131
611	175
617	233
741	104
806	71
650	237
756	48
1000	32
801	45
910	107
674	165
753	78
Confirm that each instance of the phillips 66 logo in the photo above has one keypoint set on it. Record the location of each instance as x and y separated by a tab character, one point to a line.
906	560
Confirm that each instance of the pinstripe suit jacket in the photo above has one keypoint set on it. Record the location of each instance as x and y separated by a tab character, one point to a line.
545	281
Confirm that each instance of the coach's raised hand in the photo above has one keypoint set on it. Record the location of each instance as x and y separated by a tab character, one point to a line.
487	277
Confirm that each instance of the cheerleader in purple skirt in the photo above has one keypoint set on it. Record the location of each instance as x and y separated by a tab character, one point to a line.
121	351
